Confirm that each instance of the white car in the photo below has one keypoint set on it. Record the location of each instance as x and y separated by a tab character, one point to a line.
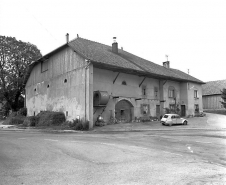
173	119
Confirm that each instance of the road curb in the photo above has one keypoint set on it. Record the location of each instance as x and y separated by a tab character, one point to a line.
14	128
141	130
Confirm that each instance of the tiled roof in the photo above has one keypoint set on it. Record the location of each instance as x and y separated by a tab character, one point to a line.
213	87
103	55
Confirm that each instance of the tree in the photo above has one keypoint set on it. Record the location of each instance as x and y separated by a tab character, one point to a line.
223	96
15	56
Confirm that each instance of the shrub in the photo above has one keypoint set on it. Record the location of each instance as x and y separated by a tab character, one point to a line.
47	118
30	121
14	120
22	111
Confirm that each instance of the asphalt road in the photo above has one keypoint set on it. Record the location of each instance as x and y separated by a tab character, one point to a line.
152	157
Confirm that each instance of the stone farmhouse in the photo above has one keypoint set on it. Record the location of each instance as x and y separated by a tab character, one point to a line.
212	94
85	79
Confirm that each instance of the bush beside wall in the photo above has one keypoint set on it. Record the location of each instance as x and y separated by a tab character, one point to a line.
14	119
30	121
56	120
47	118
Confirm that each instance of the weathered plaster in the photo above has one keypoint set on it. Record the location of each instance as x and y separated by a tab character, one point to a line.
62	87
103	81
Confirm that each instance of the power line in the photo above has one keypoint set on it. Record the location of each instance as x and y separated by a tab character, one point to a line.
42	26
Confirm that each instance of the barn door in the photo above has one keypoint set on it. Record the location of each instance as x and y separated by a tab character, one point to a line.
123	111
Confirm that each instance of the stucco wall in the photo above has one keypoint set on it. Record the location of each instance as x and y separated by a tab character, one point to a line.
168	100
61	87
103	81
191	100
184	95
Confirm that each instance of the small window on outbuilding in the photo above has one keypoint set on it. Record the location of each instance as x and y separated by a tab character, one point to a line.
124	82
44	66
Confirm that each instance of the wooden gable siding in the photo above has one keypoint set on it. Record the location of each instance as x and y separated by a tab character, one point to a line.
58	64
212	102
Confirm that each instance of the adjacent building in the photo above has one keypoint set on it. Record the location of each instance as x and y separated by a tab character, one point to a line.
212	94
85	79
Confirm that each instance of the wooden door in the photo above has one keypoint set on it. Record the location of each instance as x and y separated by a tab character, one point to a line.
158	111
183	110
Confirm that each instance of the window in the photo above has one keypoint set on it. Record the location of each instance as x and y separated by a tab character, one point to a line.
44	66
124	83
171	92
196	107
172	107
145	109
195	93
144	93
156	92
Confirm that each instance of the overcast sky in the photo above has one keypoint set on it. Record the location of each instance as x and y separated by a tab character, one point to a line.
191	32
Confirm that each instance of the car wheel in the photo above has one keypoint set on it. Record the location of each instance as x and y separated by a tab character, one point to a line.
185	122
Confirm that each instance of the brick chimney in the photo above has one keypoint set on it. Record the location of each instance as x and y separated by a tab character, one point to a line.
114	46
166	64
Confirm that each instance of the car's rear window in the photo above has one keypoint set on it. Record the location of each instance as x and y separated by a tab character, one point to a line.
165	116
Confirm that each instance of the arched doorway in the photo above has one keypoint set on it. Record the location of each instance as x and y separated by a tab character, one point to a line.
123	111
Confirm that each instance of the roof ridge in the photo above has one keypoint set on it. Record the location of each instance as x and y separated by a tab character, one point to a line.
216	81
88	40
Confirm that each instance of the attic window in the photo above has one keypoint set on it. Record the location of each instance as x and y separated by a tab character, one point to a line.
44	66
124	83
65	80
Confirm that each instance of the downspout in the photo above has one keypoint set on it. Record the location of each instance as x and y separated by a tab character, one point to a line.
86	67
25	106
